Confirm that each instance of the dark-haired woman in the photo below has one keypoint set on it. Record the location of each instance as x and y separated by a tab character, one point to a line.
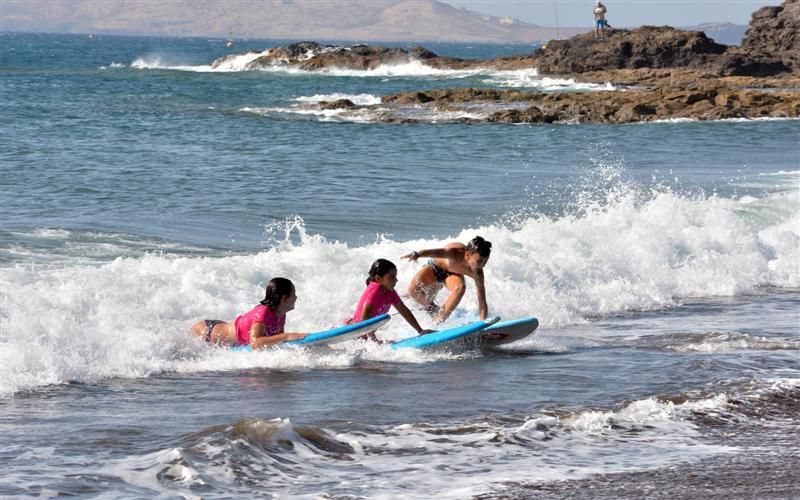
380	296
446	267
261	327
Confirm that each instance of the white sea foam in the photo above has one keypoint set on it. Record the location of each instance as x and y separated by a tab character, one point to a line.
367	115
239	62
370	114
155	61
529	78
359	99
128	317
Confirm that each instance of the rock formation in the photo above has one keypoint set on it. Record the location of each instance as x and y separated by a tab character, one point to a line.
670	74
645	47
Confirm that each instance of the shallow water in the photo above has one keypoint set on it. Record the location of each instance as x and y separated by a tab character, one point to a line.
140	192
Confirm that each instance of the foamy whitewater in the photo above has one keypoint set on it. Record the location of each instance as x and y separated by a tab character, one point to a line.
142	190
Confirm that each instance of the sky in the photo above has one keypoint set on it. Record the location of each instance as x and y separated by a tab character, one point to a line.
621	13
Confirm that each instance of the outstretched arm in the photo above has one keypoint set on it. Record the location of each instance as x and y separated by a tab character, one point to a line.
481	291
409	316
436	253
258	339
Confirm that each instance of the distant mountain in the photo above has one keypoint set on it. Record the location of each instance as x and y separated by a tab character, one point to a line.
363	20
724	33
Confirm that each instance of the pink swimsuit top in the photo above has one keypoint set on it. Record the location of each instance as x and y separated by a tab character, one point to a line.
380	299
259	314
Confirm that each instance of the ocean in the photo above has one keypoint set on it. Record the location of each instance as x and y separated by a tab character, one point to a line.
142	190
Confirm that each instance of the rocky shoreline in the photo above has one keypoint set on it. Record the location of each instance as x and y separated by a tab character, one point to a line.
659	73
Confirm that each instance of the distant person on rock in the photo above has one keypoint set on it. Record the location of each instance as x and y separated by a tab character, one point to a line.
599	19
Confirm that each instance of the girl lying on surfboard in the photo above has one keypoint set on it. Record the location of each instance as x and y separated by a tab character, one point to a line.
261	327
447	267
380	296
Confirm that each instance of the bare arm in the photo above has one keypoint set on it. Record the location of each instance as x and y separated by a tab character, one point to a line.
435	253
366	313
409	316
481	290
258	339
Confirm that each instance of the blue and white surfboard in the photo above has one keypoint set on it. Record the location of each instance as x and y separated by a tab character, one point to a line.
444	336
505	332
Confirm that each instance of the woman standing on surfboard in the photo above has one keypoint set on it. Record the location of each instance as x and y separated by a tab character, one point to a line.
261	327
380	296
447	267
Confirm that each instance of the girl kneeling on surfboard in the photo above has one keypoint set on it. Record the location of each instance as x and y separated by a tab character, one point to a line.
446	267
380	296
261	327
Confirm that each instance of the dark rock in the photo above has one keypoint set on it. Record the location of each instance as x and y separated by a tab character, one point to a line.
315	56
337	104
774	33
739	62
648	46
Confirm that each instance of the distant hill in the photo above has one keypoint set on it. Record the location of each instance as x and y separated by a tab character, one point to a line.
362	20
724	33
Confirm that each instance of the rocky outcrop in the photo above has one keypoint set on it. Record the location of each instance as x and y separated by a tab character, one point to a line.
775	32
775	29
771	47
666	74
645	47
313	56
704	102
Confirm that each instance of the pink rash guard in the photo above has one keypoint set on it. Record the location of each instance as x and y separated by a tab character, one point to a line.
259	314
380	299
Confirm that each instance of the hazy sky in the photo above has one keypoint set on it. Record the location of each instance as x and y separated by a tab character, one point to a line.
575	13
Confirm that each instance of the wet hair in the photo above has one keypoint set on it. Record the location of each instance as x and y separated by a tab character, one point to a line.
379	268
480	246
277	289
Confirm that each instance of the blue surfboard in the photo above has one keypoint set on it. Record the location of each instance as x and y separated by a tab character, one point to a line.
334	335
505	332
444	336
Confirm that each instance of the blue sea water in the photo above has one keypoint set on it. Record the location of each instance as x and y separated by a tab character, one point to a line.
141	190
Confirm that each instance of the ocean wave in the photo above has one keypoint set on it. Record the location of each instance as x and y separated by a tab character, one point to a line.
161	62
418	456
463	457
563	270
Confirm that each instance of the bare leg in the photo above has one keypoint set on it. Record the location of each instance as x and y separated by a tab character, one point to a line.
423	289
457	287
